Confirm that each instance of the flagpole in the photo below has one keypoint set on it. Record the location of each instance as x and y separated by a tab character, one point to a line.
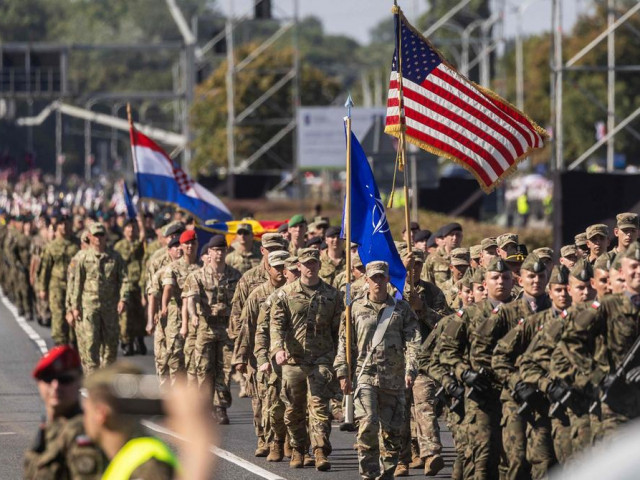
402	142
347	227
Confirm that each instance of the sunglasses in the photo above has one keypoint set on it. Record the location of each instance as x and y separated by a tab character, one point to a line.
64	379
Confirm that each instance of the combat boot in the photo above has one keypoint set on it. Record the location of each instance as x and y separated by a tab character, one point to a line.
322	464
309	461
417	462
402	470
297	458
276	452
432	465
140	346
127	349
263	448
221	416
287	448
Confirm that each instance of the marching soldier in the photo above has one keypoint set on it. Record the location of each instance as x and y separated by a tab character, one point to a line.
297	228
246	252
626	231
580	241
458	264
569	256
507	245
597	241
333	258
436	268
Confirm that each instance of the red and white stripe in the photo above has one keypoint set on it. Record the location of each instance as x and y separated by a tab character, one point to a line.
449	113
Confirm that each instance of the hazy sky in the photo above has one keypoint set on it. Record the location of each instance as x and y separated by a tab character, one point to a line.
356	17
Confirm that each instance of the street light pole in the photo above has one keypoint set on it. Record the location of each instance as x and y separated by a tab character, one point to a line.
611	83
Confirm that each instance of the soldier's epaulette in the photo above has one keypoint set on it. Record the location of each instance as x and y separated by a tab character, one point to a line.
83	441
460	312
595	305
564	313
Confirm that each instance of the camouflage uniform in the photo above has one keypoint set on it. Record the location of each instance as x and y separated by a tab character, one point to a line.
149	250
436	268
43	313
305	323
243	262
100	282
21	262
249	281
211	334
132	320
379	398
329	269
52	278
63	451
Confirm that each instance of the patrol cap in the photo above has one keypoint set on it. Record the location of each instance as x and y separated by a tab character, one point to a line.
291	263
282	228
497	264
602	263
308	254
333	232
55	362
544	253
217	241
633	252
356	261
297	219
188	236
97	229
174	242
459	256
270	240
559	275
488	242
507	238
533	263
475	251
244	227
313	241
373	268
174	228
321	222
582	270
413	225
477	276
597	229
580	239
450	227
421	235
277	258
627	220
568	250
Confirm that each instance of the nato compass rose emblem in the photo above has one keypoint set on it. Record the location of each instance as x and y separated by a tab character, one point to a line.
378	217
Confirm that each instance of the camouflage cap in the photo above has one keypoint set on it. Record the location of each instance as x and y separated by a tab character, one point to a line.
278	258
633	252
376	267
497	264
616	263
477	276
559	275
356	261
97	228
627	220
582	270
544	253
308	254
291	263
568	250
533	263
488	242
459	256
297	220
580	239
244	227
507	238
400	246
597	229
174	228
321	222
270	240
602	263
475	251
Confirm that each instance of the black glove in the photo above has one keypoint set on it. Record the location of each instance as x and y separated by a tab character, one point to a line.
609	381
557	390
524	391
454	389
633	376
476	380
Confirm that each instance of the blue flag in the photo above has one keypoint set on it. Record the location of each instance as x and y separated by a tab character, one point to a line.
369	226
131	210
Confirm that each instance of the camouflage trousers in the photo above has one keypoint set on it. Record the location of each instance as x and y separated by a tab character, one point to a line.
160	352
540	451
273	409
513	461
190	355
580	429
427	428
132	320
459	432
61	333
305	388
381	418
97	334
484	438
23	292
169	346
210	363
42	310
259	390
561	435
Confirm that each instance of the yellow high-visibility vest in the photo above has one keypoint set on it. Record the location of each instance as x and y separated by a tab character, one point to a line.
523	204
136	452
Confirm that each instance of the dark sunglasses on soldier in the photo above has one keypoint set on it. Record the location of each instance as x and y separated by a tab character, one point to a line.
64	379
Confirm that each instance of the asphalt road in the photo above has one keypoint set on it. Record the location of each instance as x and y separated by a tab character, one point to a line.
21	411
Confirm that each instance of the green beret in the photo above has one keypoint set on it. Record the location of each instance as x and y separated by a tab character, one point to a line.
533	263
297	220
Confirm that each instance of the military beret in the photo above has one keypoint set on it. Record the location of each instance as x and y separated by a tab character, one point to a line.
488	242
475	251
188	236
270	240
533	263
55	362
159	221
633	252
321	222
333	232
376	267
244	227
96	229
291	263
507	238
297	220
308	254
174	228
432	241
597	229
568	250
414	226
582	270
478	275
602	263
544	253
450	227
559	275
217	241
421	235
497	264
356	261
283	228
174	242
313	241
627	220
459	256
278	258
580	240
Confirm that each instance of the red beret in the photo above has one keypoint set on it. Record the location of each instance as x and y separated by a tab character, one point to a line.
56	361
187	236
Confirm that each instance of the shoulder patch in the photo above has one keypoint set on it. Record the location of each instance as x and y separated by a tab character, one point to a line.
595	305
460	312
83	441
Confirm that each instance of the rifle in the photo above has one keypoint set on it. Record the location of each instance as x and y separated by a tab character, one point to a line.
471	393
620	372
560	403
456	404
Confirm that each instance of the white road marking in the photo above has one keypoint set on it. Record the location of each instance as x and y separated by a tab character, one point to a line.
8	433
241	462
22	322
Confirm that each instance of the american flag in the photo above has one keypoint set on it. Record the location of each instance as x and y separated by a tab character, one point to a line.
450	116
